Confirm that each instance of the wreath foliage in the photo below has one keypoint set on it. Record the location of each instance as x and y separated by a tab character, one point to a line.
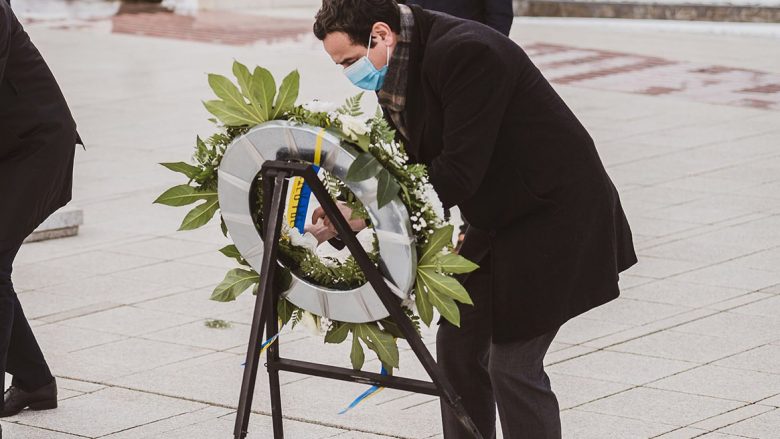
254	99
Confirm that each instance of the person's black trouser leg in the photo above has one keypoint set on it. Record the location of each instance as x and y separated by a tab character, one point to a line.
463	354
20	354
527	406
486	374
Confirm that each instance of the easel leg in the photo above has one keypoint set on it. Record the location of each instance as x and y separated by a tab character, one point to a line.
273	373
250	368
274	188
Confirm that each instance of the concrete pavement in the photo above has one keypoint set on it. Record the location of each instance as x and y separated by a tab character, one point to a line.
691	349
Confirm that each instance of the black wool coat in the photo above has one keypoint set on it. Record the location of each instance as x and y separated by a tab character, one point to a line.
504	147
37	135
497	14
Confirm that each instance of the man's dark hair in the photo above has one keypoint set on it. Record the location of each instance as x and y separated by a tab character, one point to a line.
356	18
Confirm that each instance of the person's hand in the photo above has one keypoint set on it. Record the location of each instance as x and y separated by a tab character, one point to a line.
320	231
354	224
461	238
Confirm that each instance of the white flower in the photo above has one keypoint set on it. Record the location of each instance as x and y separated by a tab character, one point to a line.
330	256
327	253
352	126
389	147
429	193
307	240
311	322
316	106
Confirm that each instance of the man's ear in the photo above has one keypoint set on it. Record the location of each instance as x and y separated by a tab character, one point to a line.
383	31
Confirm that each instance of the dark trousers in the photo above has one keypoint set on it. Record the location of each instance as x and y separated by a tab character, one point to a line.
20	354
486	374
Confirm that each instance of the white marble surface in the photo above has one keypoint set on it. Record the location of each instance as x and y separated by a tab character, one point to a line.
690	349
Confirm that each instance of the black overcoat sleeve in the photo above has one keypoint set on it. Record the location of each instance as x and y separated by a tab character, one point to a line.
5	36
476	86
499	15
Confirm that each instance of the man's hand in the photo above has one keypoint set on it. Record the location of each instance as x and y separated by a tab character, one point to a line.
354	224
320	231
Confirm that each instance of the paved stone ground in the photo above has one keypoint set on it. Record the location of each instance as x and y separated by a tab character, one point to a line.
691	349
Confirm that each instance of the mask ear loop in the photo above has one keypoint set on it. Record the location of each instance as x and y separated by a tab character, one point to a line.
368	48
388	55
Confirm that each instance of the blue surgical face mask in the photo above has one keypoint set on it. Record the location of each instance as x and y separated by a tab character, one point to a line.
363	73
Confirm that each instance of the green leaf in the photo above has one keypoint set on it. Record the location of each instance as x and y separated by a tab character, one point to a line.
200	215
236	282
230	114
183	168
450	263
183	195
364	167
423	302
387	188
352	105
232	252
363	141
446	306
285	310
288	94
244	78
389	326
202	149
440	238
380	342
282	279
263	91
337	333
443	284
228	92
357	356
217	324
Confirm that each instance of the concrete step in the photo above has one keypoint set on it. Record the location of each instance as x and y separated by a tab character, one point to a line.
61	224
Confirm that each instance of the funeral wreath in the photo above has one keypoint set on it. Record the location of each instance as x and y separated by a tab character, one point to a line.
253	100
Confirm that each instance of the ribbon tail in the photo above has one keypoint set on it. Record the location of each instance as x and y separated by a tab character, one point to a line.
266	344
365	395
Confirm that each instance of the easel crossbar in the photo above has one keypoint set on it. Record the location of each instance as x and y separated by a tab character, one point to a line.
356	376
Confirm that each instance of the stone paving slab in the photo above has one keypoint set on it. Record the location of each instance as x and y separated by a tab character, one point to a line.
691	348
107	411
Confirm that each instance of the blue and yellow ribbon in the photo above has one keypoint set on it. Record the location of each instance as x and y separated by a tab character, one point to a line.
266	344
365	395
300	192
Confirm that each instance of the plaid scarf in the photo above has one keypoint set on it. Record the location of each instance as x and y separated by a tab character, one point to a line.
392	96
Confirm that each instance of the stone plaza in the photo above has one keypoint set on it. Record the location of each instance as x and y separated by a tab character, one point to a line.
686	119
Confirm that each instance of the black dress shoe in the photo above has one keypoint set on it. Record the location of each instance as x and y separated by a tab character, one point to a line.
15	399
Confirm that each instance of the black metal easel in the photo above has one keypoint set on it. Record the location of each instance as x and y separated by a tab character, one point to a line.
275	175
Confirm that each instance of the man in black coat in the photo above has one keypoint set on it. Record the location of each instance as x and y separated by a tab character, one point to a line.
547	227
37	144
497	14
